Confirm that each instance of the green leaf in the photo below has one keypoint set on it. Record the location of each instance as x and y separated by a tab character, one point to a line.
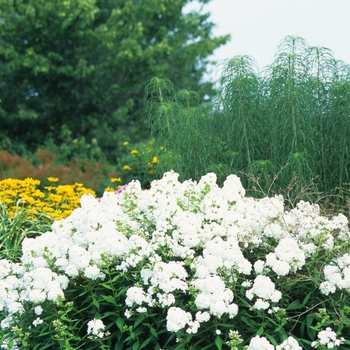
153	332
138	320
307	298
120	323
294	305
96	303
218	342
136	346
109	299
107	286
119	346
146	342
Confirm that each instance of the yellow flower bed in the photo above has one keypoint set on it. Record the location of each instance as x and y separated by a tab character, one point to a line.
56	201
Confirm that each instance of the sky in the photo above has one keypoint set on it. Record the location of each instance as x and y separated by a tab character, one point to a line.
258	26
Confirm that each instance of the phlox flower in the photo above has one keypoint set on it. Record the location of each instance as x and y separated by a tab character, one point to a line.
289	344
327	338
93	273
95	327
177	319
166	299
259	266
37	321
327	287
260	343
264	289
337	275
136	295
261	304
202	316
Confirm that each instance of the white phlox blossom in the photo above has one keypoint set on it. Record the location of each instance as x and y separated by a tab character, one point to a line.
289	344
337	275
95	327
42	284
202	316
178	319
264	289
136	295
166	299
220	254
214	296
306	224
260	343
327	338
188	228
287	256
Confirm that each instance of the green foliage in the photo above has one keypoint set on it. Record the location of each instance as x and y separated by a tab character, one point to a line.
13	229
78	68
137	162
286	124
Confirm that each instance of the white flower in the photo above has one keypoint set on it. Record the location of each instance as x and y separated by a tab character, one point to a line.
327	338
37	321
38	310
93	273
202	316
327	287
259	267
289	344
281	268
218	308
166	299
141	310
37	296
136	295
258	343
192	327
263	287
96	327
261	304
177	319
232	310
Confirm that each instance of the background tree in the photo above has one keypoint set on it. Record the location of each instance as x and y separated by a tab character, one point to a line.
78	69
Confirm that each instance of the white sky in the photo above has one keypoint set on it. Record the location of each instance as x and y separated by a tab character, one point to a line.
258	26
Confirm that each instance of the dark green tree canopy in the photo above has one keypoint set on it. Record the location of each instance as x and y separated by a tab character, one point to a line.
71	69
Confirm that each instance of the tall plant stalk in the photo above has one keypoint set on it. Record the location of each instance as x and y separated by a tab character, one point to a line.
286	124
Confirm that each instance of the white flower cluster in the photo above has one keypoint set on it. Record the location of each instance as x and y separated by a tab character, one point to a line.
182	239
95	327
327	338
261	343
336	275
264	289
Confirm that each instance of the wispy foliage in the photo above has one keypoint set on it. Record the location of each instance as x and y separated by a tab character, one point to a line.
286	123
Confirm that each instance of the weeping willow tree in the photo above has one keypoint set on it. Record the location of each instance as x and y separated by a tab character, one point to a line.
289	121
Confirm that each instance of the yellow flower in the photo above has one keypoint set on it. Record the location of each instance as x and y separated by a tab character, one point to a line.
116	179
155	160
126	167
52	179
109	189
134	151
56	202
125	143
